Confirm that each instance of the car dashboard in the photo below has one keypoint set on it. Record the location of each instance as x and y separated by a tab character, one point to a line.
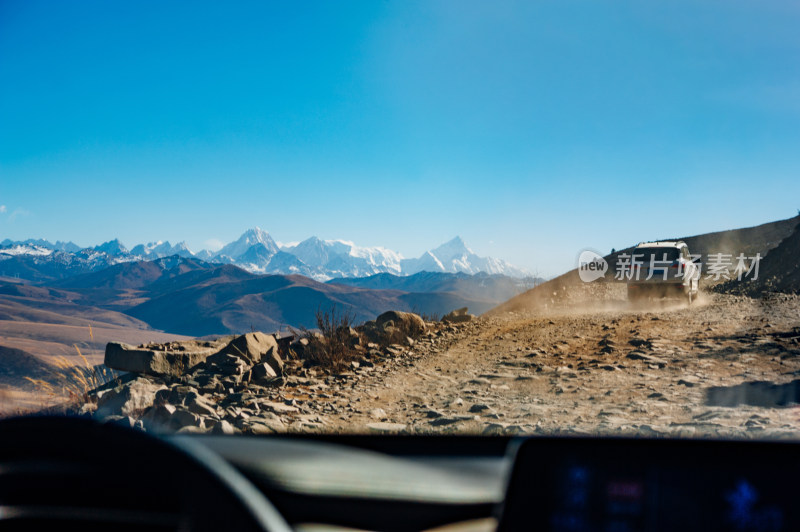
537	483
73	473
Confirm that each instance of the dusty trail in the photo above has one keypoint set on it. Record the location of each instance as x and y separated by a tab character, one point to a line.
610	369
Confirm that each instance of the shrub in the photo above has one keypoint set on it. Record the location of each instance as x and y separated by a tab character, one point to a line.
333	347
427	316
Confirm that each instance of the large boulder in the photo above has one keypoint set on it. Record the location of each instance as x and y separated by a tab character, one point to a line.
253	347
157	362
131	398
406	322
458	316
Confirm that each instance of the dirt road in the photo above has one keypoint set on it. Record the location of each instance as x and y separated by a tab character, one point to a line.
727	366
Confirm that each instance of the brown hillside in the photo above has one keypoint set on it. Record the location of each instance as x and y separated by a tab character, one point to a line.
778	272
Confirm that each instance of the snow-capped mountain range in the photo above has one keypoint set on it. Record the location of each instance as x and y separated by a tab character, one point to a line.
257	252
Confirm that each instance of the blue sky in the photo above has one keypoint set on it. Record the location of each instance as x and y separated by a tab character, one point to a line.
531	129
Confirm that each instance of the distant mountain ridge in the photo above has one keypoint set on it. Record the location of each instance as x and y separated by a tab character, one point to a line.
191	297
255	251
39	242
484	286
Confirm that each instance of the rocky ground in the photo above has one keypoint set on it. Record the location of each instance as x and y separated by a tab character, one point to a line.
727	366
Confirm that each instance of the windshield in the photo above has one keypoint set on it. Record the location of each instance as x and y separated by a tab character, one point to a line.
402	217
665	254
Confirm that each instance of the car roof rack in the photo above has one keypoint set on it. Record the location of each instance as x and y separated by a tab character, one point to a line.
665	243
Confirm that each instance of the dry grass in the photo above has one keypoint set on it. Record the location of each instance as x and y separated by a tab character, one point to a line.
69	385
333	347
426	316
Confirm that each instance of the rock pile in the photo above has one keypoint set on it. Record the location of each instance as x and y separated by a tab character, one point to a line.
254	383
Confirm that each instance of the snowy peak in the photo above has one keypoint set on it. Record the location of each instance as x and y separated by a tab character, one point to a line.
151	248
250	238
311	251
112	248
454	257
14	249
342	258
157	250
426	263
181	249
452	249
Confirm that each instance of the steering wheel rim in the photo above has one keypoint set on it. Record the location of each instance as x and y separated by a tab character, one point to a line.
59	469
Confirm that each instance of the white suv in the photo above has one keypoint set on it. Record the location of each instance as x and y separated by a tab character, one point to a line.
661	269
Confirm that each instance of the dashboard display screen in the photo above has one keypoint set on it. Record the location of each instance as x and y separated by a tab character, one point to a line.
618	485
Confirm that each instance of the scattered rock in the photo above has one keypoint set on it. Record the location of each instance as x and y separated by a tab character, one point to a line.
226	363
158	418
438	422
223	427
637	355
182	417
640	342
130	398
277	408
494	429
200	406
272	359
377	413
262	371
